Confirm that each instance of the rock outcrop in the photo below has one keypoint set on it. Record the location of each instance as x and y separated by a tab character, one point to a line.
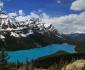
77	65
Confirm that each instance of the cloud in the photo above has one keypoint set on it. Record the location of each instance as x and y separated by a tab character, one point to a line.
23	17
20	18
13	14
1	5
34	15
21	13
78	5
58	1
72	23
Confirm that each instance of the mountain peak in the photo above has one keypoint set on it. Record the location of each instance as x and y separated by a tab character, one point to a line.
23	28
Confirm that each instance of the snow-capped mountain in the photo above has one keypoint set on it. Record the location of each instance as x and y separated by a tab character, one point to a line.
23	28
26	33
33	32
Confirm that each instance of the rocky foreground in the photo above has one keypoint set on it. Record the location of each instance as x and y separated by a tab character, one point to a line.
76	65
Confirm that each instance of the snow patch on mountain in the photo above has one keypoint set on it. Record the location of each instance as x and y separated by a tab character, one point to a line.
22	26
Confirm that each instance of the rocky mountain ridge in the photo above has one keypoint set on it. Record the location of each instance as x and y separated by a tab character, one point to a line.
31	33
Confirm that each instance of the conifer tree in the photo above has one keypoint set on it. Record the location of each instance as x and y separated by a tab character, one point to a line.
3	59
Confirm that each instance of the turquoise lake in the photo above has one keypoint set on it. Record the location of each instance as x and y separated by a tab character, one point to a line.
35	53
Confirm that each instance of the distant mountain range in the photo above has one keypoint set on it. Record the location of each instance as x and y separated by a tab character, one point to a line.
77	39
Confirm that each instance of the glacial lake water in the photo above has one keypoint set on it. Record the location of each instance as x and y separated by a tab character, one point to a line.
35	53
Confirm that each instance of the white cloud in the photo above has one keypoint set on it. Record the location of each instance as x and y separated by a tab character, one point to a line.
21	13
44	15
72	23
34	15
1	5
58	1
78	5
13	14
20	18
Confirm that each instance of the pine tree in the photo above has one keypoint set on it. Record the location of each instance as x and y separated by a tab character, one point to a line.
53	67
27	64
18	64
3	59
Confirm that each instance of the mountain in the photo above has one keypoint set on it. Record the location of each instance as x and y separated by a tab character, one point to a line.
20	35
77	39
31	33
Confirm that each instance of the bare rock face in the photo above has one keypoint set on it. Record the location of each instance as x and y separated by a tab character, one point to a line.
77	65
70	67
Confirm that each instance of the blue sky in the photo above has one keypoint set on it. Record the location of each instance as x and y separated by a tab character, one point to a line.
51	7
